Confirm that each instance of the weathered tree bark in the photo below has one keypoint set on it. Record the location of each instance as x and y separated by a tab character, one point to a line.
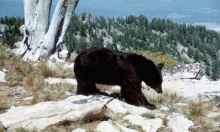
42	39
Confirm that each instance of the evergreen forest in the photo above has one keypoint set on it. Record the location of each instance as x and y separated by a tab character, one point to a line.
183	42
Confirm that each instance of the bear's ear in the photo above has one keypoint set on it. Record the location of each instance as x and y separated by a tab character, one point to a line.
160	66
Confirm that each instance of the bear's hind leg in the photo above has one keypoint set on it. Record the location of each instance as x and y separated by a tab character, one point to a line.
86	87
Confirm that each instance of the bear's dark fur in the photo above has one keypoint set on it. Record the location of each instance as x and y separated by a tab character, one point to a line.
104	66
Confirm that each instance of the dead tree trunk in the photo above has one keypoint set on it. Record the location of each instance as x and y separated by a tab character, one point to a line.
42	39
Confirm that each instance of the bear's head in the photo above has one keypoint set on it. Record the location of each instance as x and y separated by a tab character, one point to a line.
155	80
148	71
151	75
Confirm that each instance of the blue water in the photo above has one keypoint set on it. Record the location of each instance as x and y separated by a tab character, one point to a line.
205	12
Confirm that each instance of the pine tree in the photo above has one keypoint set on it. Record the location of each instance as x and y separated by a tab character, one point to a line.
215	69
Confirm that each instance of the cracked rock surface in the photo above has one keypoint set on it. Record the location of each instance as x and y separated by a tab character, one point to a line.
45	114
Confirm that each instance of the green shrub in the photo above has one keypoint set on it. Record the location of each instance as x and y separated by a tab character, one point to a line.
158	57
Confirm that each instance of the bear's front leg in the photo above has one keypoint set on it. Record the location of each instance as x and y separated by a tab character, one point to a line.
133	95
145	103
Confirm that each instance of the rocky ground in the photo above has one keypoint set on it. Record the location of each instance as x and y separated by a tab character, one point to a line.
187	104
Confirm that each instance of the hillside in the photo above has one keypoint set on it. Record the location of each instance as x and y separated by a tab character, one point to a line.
46	94
186	43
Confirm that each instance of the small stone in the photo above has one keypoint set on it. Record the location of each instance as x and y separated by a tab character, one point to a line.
46	90
8	55
63	54
20	90
67	93
164	108
79	130
213	114
52	80
106	126
217	124
165	129
2	76
179	123
28	98
181	104
5	70
109	126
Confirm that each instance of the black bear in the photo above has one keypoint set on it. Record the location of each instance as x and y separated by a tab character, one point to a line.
112	67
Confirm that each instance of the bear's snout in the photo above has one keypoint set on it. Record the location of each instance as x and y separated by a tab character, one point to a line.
159	90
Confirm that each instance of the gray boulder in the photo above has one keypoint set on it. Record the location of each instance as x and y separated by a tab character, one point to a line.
187	71
40	116
147	125
109	126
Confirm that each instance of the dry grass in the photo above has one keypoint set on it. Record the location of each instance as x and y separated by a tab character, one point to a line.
113	116
132	126
18	69
207	123
35	98
38	83
3	51
24	73
32	75
72	59
196	109
48	97
167	97
3	105
63	72
21	129
103	87
29	80
45	92
171	97
45	70
40	96
217	118
149	115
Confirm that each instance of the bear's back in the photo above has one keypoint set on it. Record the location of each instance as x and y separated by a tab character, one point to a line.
102	65
97	58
